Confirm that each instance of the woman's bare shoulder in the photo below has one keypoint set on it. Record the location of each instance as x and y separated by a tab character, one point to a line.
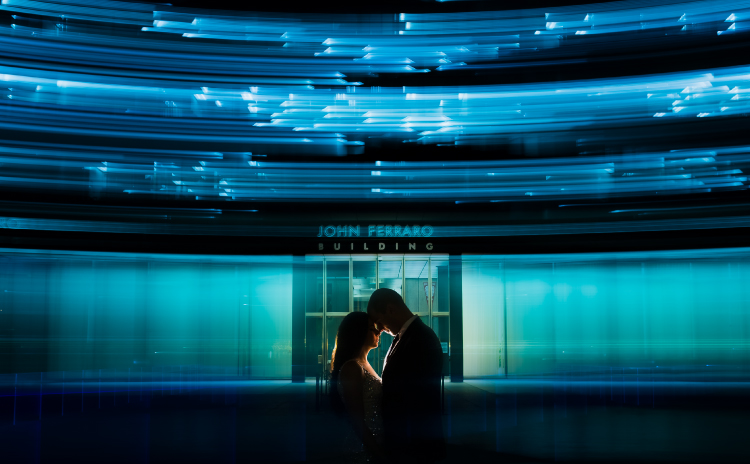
351	371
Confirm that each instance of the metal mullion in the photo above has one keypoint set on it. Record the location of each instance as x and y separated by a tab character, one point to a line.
377	286
416	311
377	272
351	284
403	277
505	323
430	296
325	308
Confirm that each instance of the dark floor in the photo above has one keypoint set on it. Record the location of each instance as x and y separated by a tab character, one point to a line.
522	420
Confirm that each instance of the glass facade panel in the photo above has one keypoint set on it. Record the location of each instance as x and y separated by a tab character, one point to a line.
440	285
483	321
441	328
337	286
313	346
390	274
524	315
440	325
418	289
269	336
314	287
364	282
147	312
529	293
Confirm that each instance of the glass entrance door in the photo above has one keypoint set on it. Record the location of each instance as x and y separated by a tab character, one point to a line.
339	284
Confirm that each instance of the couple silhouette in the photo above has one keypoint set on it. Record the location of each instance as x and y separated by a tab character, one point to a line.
396	418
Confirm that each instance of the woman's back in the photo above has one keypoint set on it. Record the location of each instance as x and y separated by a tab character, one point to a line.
372	399
357	389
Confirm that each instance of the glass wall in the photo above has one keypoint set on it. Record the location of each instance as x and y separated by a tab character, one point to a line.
352	279
584	312
76	310
522	315
440	301
483	318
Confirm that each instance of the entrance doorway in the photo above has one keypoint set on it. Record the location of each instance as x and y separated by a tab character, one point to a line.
336	285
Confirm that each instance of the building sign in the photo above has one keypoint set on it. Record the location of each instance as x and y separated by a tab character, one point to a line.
366	246
379	230
386	231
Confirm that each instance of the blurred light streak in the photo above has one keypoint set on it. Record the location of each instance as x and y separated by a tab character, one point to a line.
275	115
115	12
161	226
81	80
309	43
209	175
284	100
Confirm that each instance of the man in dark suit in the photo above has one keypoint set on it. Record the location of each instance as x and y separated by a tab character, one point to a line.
411	382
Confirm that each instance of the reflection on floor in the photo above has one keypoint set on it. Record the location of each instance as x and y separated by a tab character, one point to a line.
682	417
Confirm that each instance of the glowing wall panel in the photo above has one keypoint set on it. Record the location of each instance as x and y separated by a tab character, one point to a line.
270	332
222	315
67	311
594	312
483	308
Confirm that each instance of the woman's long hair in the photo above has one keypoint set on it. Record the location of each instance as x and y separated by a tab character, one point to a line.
349	341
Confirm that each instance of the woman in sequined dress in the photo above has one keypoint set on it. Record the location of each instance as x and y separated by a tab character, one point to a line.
356	389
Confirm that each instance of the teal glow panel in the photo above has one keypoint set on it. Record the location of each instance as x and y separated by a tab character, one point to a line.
69	311
588	312
483	312
270	332
64	311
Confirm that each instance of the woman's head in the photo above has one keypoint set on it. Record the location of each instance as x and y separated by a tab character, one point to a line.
355	334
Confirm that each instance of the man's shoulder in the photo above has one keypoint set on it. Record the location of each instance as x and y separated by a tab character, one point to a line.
422	336
422	330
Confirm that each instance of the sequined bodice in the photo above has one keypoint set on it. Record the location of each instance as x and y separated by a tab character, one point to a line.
373	399
372	396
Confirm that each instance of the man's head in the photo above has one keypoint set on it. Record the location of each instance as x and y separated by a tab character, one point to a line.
387	310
